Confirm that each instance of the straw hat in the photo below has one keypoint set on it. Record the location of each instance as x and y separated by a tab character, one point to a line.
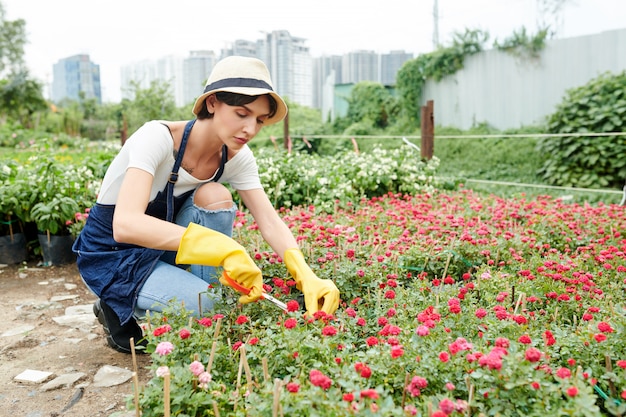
242	75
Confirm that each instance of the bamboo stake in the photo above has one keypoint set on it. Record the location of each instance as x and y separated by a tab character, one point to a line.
200	304
246	366
136	394
266	372
445	270
211	356
216	410
276	401
520	299
609	368
406	382
556	313
166	395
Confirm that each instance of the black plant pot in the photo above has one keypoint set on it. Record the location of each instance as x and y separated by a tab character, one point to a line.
13	249
56	250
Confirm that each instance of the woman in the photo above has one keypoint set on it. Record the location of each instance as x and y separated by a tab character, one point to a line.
163	220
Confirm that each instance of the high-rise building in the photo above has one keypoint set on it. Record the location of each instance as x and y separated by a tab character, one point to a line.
76	76
359	66
323	68
289	62
196	69
390	64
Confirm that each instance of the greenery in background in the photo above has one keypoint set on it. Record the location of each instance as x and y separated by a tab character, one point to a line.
522	45
594	162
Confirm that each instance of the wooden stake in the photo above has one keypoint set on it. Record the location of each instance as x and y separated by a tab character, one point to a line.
609	368
246	366
216	410
200	304
406	382
136	392
521	297
166	395
266	372
211	356
276	401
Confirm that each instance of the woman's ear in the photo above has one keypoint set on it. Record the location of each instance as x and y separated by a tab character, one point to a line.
210	103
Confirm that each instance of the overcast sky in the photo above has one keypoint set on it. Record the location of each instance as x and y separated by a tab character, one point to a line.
118	32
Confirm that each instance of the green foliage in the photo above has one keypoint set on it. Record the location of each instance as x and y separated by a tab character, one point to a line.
435	65
302	179
371	101
21	98
12	42
587	161
522	45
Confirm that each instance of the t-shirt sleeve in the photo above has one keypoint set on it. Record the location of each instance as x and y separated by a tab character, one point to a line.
242	171
150	146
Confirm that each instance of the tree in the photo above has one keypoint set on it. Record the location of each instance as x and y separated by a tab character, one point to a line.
12	41
371	101
21	97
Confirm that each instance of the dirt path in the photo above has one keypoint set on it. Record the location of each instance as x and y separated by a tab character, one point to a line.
30	298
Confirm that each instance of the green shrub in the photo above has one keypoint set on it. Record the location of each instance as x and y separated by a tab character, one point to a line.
588	161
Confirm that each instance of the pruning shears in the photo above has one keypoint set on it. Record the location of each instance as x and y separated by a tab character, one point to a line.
240	288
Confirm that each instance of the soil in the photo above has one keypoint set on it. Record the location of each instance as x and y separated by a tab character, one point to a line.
25	299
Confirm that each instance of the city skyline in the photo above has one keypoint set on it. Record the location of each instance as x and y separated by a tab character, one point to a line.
115	33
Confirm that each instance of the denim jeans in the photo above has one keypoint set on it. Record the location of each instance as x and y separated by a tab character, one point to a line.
188	284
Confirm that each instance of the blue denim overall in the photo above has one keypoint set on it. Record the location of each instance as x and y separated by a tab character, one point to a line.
115	271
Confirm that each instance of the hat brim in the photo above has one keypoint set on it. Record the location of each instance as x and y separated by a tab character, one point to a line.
281	106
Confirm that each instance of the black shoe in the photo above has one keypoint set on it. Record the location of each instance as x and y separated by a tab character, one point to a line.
118	336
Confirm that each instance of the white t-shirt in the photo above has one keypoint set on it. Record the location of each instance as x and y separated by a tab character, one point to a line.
151	148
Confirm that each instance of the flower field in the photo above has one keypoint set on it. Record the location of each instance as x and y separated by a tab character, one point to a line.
453	304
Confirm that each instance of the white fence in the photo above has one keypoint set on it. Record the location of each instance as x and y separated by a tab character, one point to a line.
505	92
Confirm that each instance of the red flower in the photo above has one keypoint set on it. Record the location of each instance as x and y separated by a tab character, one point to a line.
253	341
237	345
533	354
525	339
292	305
184	334
369	393
444	357
621	363
349	397
605	327
361	322
572	391
290	323
242	319
371	341
363	370
329	331
293	387
600	337
397	351
535	385
161	330
205	321
390	294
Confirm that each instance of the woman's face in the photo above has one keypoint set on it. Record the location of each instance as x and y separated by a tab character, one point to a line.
237	125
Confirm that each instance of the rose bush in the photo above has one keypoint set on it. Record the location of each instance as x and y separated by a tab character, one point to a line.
452	305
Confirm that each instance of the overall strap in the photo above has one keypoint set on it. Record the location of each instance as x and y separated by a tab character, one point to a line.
174	174
220	171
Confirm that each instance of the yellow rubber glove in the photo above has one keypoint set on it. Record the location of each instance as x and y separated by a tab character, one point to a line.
203	246
319	294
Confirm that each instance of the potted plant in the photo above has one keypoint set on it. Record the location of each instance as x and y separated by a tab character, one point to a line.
13	248
53	218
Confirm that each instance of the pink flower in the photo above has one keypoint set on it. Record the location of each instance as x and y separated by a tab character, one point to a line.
164	348
196	368
422	330
204	378
532	354
447	406
444	357
162	371
480	313
318	379
563	373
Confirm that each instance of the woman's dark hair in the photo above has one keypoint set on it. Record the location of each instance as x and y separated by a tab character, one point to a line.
234	99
